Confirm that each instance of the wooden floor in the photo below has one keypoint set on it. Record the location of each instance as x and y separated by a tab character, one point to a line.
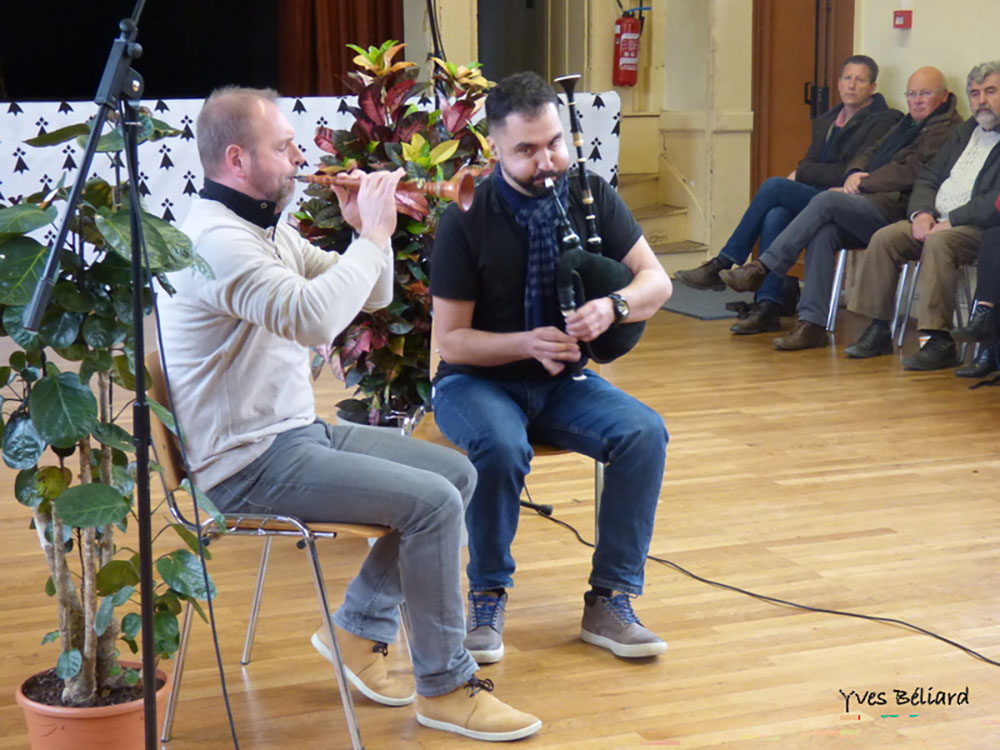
805	476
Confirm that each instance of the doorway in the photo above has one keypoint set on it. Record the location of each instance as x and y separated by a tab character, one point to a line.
513	36
798	47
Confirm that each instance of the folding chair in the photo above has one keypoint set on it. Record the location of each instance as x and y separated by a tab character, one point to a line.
964	285
248	524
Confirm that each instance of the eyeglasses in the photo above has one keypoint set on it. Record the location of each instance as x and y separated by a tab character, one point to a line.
922	94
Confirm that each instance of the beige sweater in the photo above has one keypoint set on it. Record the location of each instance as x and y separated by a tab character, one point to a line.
235	345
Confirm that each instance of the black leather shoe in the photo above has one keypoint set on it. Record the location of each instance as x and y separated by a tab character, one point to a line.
763	318
938	353
875	341
982	326
746	278
705	276
983	365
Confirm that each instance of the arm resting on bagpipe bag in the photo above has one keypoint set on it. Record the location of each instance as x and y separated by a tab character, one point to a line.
582	276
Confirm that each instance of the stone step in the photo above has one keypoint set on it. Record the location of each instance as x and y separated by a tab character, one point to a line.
676	256
662	223
638	190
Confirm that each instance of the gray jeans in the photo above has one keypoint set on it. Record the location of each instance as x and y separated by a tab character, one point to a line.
356	474
831	221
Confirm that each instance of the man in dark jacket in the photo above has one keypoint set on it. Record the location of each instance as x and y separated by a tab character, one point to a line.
951	204
838	136
874	194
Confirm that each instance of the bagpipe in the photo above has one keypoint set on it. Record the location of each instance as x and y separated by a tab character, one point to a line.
585	274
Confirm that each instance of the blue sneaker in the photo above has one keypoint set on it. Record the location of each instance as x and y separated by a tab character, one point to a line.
610	623
484	626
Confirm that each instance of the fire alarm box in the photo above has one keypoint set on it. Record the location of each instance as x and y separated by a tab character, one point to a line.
902	19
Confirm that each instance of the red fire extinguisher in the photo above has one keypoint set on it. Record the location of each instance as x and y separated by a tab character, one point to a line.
628	28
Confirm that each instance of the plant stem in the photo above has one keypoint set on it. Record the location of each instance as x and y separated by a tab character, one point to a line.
82	687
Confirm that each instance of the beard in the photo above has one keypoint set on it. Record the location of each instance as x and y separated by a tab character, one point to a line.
987	118
276	188
535	186
283	194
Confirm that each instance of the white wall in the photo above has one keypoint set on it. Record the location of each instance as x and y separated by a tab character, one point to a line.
952	35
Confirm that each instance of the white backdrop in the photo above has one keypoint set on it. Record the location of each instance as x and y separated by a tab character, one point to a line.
169	169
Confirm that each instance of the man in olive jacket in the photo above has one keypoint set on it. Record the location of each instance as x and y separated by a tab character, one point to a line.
876	185
951	204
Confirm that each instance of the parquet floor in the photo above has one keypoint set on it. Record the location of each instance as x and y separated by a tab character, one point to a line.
804	476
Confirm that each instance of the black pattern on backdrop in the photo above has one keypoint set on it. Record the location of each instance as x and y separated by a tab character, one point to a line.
170	172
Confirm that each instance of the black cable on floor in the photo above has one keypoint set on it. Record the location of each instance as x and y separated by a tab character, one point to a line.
775	600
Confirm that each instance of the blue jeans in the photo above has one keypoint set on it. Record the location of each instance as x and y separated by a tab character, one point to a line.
359	474
774	206
493	420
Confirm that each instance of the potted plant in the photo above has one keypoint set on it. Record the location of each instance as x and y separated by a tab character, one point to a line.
60	430
385	355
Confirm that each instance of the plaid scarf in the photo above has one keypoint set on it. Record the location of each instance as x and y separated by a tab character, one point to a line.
540	219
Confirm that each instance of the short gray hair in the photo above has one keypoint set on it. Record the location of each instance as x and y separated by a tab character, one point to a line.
227	118
979	73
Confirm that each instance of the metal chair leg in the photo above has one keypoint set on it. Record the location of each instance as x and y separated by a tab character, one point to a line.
838	280
168	714
909	303
965	281
598	491
255	607
904	274
404	629
338	668
404	625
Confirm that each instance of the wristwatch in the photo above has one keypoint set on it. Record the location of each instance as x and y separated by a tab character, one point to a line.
620	306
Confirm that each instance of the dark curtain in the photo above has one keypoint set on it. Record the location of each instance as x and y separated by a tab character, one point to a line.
312	39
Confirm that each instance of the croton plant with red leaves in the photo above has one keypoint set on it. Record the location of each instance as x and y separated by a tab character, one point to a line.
385	355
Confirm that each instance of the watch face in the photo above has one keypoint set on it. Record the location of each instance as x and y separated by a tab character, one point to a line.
621	307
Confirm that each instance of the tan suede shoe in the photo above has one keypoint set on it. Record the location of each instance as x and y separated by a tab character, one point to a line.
472	711
364	662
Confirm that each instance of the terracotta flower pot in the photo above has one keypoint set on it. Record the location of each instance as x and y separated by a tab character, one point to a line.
118	727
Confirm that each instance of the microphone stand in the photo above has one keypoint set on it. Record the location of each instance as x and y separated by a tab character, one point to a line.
121	85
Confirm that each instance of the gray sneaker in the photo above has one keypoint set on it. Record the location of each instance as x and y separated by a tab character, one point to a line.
610	623
484	626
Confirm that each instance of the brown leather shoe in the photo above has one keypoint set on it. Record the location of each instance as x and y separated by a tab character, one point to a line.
472	711
364	662
705	276
746	278
805	335
763	318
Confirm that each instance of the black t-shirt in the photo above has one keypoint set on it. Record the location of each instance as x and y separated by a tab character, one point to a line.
480	255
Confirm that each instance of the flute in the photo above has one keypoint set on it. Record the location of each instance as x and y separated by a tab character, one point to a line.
568	82
460	189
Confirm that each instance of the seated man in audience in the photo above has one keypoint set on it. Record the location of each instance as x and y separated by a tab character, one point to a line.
838	137
983	326
505	372
951	204
235	349
874	194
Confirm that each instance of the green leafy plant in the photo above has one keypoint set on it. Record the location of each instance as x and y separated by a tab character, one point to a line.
60	428
385	355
